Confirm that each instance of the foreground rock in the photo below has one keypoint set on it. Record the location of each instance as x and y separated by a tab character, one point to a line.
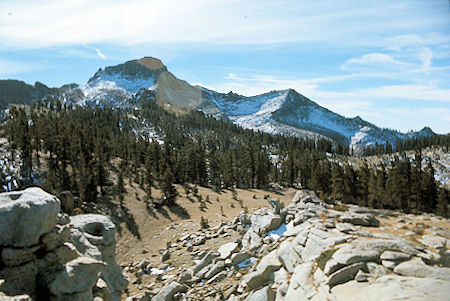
168	291
322	254
25	216
393	287
48	256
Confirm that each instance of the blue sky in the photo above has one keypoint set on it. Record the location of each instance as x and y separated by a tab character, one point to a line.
386	61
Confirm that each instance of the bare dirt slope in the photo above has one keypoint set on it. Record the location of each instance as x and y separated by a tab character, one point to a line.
147	230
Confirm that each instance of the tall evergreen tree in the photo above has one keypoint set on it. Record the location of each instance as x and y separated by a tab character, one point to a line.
429	188
373	197
168	190
120	187
416	195
350	184
337	182
442	202
362	189
148	178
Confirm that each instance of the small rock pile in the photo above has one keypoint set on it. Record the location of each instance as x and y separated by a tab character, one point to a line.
310	251
46	255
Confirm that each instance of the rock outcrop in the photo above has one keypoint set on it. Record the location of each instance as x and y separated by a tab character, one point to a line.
46	255
310	251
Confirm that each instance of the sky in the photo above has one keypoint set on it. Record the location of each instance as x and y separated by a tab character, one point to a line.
385	61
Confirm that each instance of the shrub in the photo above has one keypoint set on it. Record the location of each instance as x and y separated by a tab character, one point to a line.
204	223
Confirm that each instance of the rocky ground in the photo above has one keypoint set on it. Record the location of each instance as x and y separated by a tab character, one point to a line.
285	245
278	245
307	250
146	232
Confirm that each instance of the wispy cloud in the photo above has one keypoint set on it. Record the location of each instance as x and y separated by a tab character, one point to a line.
375	60
97	51
29	24
251	85
83	51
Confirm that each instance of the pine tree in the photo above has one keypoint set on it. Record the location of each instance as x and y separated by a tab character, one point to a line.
288	170
321	178
337	182
262	166
350	183
228	169
101	163
148	178
372	191
362	190
397	185
415	199
429	188
120	189
442	202
168	190
381	187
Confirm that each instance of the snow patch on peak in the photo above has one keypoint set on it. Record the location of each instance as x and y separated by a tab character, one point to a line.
119	81
256	105
114	88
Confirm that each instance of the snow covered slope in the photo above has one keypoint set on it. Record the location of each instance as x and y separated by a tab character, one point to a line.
290	113
114	86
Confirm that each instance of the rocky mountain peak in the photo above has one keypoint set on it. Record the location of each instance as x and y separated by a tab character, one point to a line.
151	63
426	131
143	68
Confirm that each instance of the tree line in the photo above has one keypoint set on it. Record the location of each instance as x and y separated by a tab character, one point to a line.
91	150
78	145
413	143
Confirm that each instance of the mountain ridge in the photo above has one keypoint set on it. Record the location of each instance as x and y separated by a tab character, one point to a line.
284	112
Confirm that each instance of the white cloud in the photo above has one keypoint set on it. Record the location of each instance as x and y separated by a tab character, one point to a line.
257	84
398	42
426	55
97	51
440	112
409	91
31	24
85	52
375	60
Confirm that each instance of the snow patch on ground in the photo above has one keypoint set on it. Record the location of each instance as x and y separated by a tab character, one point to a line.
156	271
246	263
277	233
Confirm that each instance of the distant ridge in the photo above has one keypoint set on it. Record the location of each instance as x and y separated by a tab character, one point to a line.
284	112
